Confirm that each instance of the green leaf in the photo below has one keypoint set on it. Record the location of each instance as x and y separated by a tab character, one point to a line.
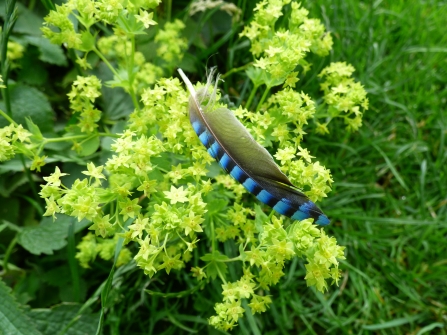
215	256
256	75
129	24
88	41
46	237
49	53
90	146
64	319
216	206
34	129
216	264
12	318
117	103
260	218
13	165
32	71
29	102
214	268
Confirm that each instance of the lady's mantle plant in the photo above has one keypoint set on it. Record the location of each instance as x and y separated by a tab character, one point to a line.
157	189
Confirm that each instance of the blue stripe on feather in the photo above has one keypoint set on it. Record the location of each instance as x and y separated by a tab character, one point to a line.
198	127
203	137
225	161
283	208
267	198
250	185
298	215
213	150
237	173
307	206
323	220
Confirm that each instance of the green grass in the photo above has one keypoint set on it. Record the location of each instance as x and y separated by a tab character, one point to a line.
388	205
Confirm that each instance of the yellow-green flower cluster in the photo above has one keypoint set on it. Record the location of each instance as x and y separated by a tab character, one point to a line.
279	52
345	97
229	312
90	247
83	94
14	53
170	45
59	27
313	178
12	140
265	246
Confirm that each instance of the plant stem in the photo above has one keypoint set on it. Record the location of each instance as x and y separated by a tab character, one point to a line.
131	74
234	70
29	177
7	117
8	253
263	98
100	55
168	10
213	241
71	255
220	275
10	20
250	98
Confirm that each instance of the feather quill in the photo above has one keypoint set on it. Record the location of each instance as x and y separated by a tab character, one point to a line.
230	143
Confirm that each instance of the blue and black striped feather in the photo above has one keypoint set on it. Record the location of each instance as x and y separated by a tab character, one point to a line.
233	147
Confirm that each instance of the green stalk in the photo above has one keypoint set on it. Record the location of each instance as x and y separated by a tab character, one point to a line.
29	177
7	117
8	253
71	250
168	10
250	98
10	20
131	74
213	240
263	98
100	55
237	69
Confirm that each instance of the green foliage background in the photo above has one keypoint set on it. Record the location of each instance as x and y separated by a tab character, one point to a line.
388	204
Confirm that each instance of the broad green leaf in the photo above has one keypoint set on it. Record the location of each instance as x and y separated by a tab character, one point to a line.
29	102
12	319
117	103
32	71
216	264
90	146
64	317
256	75
88	41
260	218
214	268
216	206
45	237
129	24
49	53
34	129
12	165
